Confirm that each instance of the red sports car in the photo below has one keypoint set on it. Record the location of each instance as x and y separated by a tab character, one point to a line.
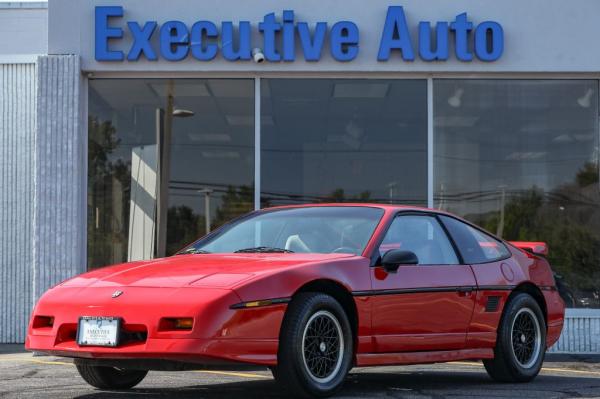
310	292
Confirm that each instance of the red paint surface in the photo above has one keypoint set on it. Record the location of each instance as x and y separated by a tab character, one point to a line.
439	326
422	321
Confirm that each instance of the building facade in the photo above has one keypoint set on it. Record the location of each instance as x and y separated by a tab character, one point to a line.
130	128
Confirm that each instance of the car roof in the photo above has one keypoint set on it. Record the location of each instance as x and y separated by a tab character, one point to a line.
387	207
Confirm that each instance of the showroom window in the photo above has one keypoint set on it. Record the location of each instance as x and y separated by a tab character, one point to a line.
520	159
149	197
341	140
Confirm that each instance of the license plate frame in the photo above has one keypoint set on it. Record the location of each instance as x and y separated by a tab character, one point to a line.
111	342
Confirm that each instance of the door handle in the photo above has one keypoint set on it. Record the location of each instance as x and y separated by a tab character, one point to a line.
464	291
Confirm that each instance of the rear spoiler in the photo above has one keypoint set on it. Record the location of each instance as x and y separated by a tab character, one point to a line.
535	247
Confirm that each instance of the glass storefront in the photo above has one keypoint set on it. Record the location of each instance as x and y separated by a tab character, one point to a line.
206	131
520	159
171	159
334	140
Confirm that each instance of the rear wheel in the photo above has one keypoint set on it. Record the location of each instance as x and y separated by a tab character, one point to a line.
110	377
521	342
315	346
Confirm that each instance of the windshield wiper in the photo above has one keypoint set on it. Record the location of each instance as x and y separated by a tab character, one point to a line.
192	251
264	250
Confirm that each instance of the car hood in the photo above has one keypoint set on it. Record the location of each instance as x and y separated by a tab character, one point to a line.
197	270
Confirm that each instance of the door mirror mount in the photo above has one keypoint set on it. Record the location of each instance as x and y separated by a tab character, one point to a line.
394	258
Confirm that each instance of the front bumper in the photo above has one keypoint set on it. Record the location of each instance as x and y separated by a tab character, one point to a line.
207	352
219	334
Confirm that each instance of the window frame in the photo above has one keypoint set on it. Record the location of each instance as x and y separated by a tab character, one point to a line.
482	231
376	256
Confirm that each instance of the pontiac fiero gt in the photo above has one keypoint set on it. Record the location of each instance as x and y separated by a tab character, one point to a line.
310	292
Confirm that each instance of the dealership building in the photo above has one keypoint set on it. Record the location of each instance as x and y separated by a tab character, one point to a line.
130	128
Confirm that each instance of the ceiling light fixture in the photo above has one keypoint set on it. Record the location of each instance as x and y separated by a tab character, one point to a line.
456	99
586	100
182	113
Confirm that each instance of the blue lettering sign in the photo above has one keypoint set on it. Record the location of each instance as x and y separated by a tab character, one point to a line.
289	45
202	30
395	36
207	40
426	51
141	41
243	51
269	27
104	32
461	27
344	41
497	41
174	41
312	47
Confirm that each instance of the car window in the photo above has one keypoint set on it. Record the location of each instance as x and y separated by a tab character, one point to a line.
306	230
422	235
474	245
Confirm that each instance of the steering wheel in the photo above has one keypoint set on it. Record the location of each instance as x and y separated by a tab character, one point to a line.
344	250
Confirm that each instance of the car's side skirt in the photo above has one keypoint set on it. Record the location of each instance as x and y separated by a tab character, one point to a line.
388	359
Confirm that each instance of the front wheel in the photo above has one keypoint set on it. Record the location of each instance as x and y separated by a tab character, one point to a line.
110	377
521	342
315	346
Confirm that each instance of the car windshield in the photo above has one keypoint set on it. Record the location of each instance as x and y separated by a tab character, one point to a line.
305	230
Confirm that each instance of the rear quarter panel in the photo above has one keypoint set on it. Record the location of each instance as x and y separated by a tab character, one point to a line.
500	279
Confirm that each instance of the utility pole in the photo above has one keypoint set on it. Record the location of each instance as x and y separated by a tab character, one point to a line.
207	192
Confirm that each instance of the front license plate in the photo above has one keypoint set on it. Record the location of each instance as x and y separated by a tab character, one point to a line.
98	331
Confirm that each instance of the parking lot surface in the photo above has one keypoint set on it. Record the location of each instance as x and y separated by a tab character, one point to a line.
25	376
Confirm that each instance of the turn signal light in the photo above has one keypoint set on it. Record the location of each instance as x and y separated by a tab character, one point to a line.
260	303
184	324
255	304
176	323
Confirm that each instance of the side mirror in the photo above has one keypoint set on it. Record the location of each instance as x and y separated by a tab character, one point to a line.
396	257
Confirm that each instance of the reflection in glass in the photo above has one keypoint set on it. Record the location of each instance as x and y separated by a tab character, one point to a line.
520	158
337	140
210	127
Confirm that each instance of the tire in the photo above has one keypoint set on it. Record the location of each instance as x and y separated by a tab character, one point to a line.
521	342
303	368
110	377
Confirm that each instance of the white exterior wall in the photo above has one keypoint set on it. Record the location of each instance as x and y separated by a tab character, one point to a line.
59	228
23	29
539	35
18	86
581	332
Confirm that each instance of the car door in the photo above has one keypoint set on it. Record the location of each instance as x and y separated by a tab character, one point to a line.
427	306
496	273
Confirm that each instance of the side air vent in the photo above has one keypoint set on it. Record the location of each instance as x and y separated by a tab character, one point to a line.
492	303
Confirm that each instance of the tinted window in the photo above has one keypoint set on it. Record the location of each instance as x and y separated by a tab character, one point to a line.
474	245
210	176
306	230
422	235
520	158
341	140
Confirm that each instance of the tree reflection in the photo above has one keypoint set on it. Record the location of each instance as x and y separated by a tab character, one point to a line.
568	219
184	225
339	195
108	196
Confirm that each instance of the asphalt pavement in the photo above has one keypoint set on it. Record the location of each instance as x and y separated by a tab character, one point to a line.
25	376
